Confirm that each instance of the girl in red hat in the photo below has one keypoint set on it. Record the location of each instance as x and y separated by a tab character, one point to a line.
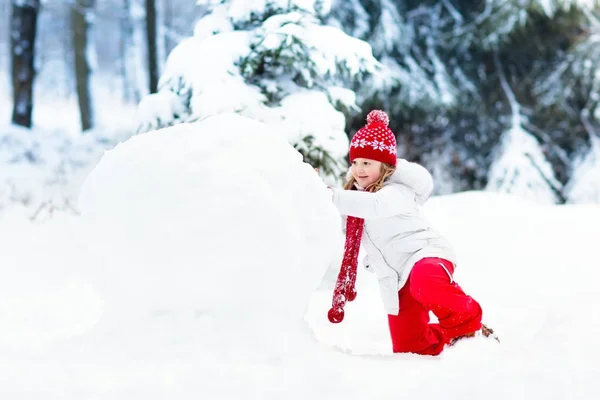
414	263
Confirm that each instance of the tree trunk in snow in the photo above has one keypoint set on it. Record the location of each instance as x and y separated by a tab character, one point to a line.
130	91
168	26
152	45
133	61
161	39
80	25
23	30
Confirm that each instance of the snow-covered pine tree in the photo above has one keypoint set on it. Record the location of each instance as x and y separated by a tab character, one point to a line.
574	84
275	61
407	74
444	91
583	186
432	85
520	166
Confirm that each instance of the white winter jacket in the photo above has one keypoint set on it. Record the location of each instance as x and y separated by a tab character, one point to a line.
396	232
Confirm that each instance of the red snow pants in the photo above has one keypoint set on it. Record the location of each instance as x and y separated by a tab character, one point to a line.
430	287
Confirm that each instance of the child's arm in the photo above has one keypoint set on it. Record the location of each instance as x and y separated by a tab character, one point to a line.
389	201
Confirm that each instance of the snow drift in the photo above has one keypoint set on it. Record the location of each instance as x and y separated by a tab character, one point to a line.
204	215
206	241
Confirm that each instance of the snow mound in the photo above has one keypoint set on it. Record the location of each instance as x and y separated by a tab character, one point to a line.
221	218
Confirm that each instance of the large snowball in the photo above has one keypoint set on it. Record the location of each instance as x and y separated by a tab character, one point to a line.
221	217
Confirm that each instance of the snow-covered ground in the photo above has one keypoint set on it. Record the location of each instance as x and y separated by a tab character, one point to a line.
195	271
43	168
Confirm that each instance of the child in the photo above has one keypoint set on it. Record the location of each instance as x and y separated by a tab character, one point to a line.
413	262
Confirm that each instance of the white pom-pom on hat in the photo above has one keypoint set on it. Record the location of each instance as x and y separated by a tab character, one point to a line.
378	117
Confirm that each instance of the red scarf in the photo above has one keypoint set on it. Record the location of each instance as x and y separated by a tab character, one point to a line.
344	287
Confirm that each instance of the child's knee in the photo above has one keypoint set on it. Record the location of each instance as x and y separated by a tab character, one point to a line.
474	308
428	279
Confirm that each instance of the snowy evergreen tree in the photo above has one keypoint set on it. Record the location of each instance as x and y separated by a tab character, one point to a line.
573	85
520	166
583	186
431	85
445	94
443	73
282	66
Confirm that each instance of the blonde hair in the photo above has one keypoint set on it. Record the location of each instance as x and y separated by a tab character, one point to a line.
386	171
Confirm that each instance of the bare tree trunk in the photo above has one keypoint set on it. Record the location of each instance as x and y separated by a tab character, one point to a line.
161	32
133	61
130	94
152	44
168	22
23	30
80	25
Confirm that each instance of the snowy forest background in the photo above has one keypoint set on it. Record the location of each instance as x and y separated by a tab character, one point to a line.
498	95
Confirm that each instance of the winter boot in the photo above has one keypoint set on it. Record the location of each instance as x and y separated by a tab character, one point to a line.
485	331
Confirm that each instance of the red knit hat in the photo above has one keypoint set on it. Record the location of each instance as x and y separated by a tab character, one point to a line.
375	140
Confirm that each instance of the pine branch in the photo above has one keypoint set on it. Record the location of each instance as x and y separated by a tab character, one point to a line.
557	191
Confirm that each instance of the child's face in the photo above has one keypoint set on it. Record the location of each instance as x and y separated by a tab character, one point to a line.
365	171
